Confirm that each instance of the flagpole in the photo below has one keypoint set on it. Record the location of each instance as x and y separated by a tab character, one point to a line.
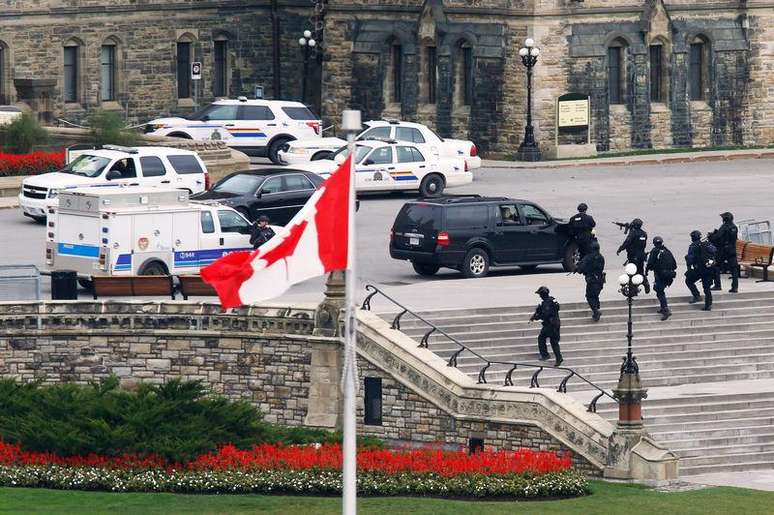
351	124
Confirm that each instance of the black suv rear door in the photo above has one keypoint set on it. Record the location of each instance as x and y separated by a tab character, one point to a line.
510	234
416	226
541	241
466	224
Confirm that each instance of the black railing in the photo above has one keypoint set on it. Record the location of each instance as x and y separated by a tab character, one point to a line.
534	381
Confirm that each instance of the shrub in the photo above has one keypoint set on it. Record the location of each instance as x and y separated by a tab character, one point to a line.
22	134
30	164
175	421
109	128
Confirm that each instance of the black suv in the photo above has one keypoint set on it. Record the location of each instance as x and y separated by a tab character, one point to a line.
472	233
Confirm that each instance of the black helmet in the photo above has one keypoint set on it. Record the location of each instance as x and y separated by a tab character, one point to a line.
636	223
658	241
542	291
695	235
263	218
727	217
594	245
582	207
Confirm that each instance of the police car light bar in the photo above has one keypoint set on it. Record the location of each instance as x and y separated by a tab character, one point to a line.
119	148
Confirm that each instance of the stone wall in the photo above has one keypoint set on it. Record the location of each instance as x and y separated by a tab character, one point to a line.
269	357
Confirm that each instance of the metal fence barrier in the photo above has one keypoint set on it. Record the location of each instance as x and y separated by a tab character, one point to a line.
19	282
755	231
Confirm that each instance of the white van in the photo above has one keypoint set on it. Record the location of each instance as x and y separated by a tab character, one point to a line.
139	231
110	165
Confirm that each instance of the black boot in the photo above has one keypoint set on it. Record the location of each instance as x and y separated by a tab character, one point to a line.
596	315
559	361
695	299
666	314
707	307
660	311
716	288
733	290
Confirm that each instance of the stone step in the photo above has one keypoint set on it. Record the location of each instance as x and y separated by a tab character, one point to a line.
657	425
691	446
744	455
744	465
652	408
670	437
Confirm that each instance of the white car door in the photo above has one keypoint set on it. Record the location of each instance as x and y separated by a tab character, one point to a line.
123	171
209	241
414	135
410	167
254	126
217	122
234	231
374	171
154	173
186	172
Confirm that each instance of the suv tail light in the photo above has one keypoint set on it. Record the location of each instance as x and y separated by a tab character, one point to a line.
443	239
206	181
315	127
473	151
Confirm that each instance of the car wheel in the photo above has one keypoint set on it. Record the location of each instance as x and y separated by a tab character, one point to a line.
476	263
274	149
321	156
86	284
571	257
431	185
39	219
181	135
528	268
425	269
154	268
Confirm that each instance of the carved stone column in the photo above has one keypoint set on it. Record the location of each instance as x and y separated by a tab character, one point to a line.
328	315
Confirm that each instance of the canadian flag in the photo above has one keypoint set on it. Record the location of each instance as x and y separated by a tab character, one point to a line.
312	243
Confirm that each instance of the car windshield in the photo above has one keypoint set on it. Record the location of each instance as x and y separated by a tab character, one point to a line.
360	152
86	165
240	184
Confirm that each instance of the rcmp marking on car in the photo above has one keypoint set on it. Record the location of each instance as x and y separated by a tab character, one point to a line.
404	176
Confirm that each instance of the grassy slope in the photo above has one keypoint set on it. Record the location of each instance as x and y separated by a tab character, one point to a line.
607	499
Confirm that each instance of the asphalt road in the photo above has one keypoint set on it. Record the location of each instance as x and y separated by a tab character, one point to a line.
672	200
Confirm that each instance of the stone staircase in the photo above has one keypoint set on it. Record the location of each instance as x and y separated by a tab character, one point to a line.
710	375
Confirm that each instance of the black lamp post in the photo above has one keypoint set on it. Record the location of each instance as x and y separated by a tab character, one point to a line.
306	43
528	150
629	391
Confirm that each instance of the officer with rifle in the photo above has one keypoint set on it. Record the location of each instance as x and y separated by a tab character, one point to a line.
548	313
634	245
592	266
581	228
724	239
701	266
663	265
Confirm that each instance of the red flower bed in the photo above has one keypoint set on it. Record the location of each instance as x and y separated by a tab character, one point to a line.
325	457
30	164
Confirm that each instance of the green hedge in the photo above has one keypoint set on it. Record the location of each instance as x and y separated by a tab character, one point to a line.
177	420
304	482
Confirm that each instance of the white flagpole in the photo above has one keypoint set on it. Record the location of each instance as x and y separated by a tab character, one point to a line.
351	124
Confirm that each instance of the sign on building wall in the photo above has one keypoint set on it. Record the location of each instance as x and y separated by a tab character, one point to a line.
196	71
573	126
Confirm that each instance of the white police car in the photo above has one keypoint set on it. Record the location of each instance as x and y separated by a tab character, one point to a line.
304	150
111	165
395	166
255	127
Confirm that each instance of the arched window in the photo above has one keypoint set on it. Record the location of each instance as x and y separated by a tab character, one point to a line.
463	73
220	66
616	70
393	76
659	79
108	59
72	71
5	56
184	58
698	68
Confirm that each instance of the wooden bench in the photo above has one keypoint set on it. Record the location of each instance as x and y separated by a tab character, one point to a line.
755	255
133	286
193	285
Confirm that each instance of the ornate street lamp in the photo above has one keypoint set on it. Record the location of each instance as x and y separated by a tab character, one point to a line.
306	42
528	150
629	391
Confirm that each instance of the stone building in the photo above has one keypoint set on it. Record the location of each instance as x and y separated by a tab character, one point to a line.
658	73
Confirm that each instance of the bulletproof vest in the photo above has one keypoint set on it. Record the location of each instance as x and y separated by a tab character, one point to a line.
639	240
578	223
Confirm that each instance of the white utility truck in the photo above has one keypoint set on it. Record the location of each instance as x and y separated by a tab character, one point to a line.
139	231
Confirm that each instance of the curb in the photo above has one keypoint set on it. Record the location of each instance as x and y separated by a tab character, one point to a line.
655	160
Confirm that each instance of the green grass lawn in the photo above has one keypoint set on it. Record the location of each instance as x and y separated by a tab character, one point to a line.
607	499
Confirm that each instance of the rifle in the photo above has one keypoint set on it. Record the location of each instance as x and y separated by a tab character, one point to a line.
624	226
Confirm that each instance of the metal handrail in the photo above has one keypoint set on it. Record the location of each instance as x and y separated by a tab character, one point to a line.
592	407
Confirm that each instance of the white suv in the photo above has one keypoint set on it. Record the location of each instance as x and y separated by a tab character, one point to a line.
314	149
112	165
255	127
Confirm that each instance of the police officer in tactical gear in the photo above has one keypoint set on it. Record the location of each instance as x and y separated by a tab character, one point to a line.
724	239
548	312
260	232
663	265
580	227
701	266
592	266
634	245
